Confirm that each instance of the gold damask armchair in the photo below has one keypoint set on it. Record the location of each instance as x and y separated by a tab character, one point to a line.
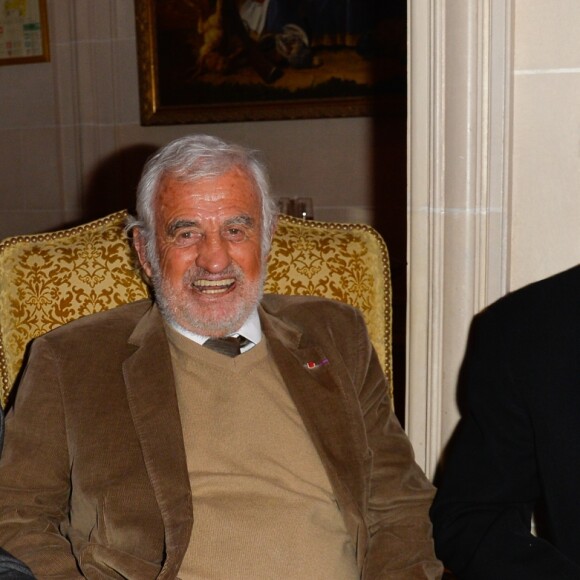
47	280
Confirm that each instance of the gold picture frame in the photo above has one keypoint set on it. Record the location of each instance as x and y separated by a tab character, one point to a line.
200	62
23	32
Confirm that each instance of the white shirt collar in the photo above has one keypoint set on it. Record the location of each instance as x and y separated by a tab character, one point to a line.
251	329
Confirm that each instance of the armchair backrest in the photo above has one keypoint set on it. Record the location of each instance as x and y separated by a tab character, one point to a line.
49	279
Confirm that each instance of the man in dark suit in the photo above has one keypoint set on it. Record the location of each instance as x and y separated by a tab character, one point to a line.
133	451
517	448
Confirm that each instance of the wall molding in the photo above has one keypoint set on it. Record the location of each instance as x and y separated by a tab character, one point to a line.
459	135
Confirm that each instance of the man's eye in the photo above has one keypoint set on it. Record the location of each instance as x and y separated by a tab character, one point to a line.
185	237
236	233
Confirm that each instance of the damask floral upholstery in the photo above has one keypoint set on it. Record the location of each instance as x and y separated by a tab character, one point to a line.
49	279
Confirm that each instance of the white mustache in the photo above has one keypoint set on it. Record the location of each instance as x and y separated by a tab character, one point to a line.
200	278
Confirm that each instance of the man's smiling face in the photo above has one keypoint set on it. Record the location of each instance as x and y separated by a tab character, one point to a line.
210	270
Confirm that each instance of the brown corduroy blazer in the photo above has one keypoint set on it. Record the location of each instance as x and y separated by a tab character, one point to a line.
93	479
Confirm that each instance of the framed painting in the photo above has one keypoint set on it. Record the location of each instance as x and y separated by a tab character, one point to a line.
203	61
23	31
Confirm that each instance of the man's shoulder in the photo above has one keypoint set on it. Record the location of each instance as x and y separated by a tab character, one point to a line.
527	316
119	317
314	321
313	315
552	296
562	284
281	305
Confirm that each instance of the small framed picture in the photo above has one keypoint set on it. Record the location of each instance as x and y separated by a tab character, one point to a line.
23	32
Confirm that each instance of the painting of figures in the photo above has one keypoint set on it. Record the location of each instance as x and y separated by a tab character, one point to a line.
220	60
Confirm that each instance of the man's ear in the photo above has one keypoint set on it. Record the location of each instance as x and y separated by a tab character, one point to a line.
140	247
273	228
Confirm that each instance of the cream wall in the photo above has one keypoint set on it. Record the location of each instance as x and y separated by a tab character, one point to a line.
545	210
494	178
61	123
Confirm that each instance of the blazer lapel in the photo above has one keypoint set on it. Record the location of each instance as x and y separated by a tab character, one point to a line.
152	400
316	384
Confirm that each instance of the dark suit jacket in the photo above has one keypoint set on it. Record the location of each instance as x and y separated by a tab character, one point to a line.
518	444
94	482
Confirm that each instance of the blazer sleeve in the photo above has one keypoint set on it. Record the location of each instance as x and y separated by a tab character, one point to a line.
397	515
35	472
489	484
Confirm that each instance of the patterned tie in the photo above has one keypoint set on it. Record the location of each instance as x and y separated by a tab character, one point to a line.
229	345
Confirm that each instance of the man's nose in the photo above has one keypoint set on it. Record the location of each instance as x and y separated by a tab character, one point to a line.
213	254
